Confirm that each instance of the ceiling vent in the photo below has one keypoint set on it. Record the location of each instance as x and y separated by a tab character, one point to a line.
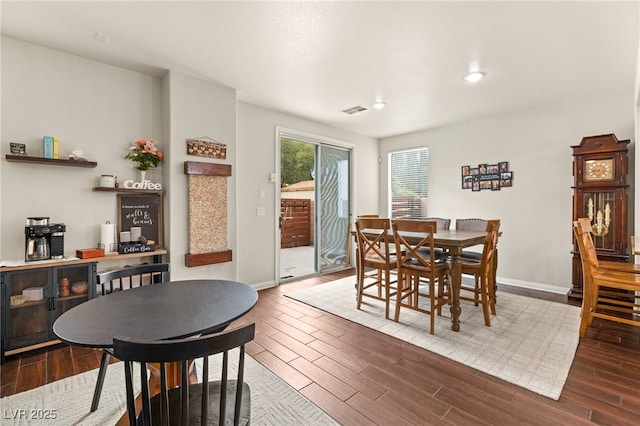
355	110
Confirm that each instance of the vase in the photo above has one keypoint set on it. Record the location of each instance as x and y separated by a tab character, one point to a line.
143	175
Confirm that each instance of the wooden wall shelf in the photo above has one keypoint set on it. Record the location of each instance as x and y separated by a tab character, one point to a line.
128	191
51	161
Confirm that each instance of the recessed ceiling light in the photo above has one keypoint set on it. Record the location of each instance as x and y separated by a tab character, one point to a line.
474	76
379	105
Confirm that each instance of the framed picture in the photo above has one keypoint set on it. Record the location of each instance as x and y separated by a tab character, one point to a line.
493	169
505	179
474	171
467	182
495	185
466	170
475	185
18	148
482	169
144	211
503	166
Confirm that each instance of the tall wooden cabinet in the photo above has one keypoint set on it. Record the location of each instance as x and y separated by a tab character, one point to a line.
600	193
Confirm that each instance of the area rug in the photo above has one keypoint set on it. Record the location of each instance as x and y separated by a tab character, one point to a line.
531	343
273	402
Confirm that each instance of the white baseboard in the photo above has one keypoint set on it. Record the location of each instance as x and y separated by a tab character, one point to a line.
263	285
532	285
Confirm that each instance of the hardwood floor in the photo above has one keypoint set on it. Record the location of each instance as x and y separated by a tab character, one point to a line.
362	377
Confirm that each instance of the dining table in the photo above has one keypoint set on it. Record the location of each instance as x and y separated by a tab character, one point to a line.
167	310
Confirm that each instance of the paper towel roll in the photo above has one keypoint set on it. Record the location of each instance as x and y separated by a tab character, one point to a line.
108	236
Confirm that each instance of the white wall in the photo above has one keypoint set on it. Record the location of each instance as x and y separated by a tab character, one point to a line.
257	159
536	212
88	105
197	109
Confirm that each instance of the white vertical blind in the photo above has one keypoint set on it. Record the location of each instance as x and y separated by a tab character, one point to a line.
408	183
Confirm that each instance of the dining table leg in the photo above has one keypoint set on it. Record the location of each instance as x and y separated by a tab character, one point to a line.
456	282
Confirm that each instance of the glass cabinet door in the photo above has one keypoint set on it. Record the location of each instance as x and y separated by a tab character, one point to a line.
27	322
80	287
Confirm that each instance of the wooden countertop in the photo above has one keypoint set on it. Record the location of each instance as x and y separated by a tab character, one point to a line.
75	260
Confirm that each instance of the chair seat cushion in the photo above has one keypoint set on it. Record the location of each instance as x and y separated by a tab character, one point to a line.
416	265
195	392
466	254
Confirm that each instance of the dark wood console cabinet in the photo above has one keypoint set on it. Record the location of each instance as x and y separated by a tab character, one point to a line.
600	193
29	325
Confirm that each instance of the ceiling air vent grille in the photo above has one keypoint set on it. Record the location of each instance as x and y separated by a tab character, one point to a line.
355	110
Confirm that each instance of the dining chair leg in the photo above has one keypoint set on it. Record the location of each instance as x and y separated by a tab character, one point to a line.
402	282
359	287
387	290
104	362
432	306
484	294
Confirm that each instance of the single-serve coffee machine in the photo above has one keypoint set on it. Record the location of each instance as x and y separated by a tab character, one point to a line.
43	240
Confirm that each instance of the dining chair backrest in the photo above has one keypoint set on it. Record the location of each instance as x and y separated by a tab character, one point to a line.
442	224
131	276
372	234
411	237
582	229
471	224
220	402
490	243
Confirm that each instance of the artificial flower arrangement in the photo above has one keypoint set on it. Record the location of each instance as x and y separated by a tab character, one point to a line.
145	153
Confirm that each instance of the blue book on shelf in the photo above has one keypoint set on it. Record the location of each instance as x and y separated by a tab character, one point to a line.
48	146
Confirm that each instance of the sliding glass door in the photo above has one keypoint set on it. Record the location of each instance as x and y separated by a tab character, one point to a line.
314	205
334	204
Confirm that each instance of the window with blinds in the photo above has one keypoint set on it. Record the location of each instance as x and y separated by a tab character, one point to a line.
408	183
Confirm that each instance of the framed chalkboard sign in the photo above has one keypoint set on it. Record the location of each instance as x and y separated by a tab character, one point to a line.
144	211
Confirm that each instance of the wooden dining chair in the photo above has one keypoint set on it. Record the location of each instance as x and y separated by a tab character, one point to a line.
483	289
441	224
414	267
374	253
218	402
118	280
609	294
471	224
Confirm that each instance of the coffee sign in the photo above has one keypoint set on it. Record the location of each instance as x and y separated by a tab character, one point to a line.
144	211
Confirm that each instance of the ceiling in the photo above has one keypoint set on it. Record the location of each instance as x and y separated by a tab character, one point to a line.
316	59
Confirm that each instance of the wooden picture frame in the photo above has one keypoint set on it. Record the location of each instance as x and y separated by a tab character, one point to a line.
143	210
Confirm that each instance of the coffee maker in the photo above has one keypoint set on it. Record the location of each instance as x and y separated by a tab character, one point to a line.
43	240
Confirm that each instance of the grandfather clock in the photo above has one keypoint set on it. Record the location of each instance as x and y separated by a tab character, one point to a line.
600	193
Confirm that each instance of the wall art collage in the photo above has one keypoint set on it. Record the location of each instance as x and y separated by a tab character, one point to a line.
487	176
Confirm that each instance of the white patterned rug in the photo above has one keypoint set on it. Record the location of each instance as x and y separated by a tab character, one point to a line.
273	402
531	343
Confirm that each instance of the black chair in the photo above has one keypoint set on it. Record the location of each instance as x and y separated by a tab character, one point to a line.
218	402
130	276
117	280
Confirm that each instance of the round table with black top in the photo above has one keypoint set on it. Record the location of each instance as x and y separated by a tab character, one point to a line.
168	310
